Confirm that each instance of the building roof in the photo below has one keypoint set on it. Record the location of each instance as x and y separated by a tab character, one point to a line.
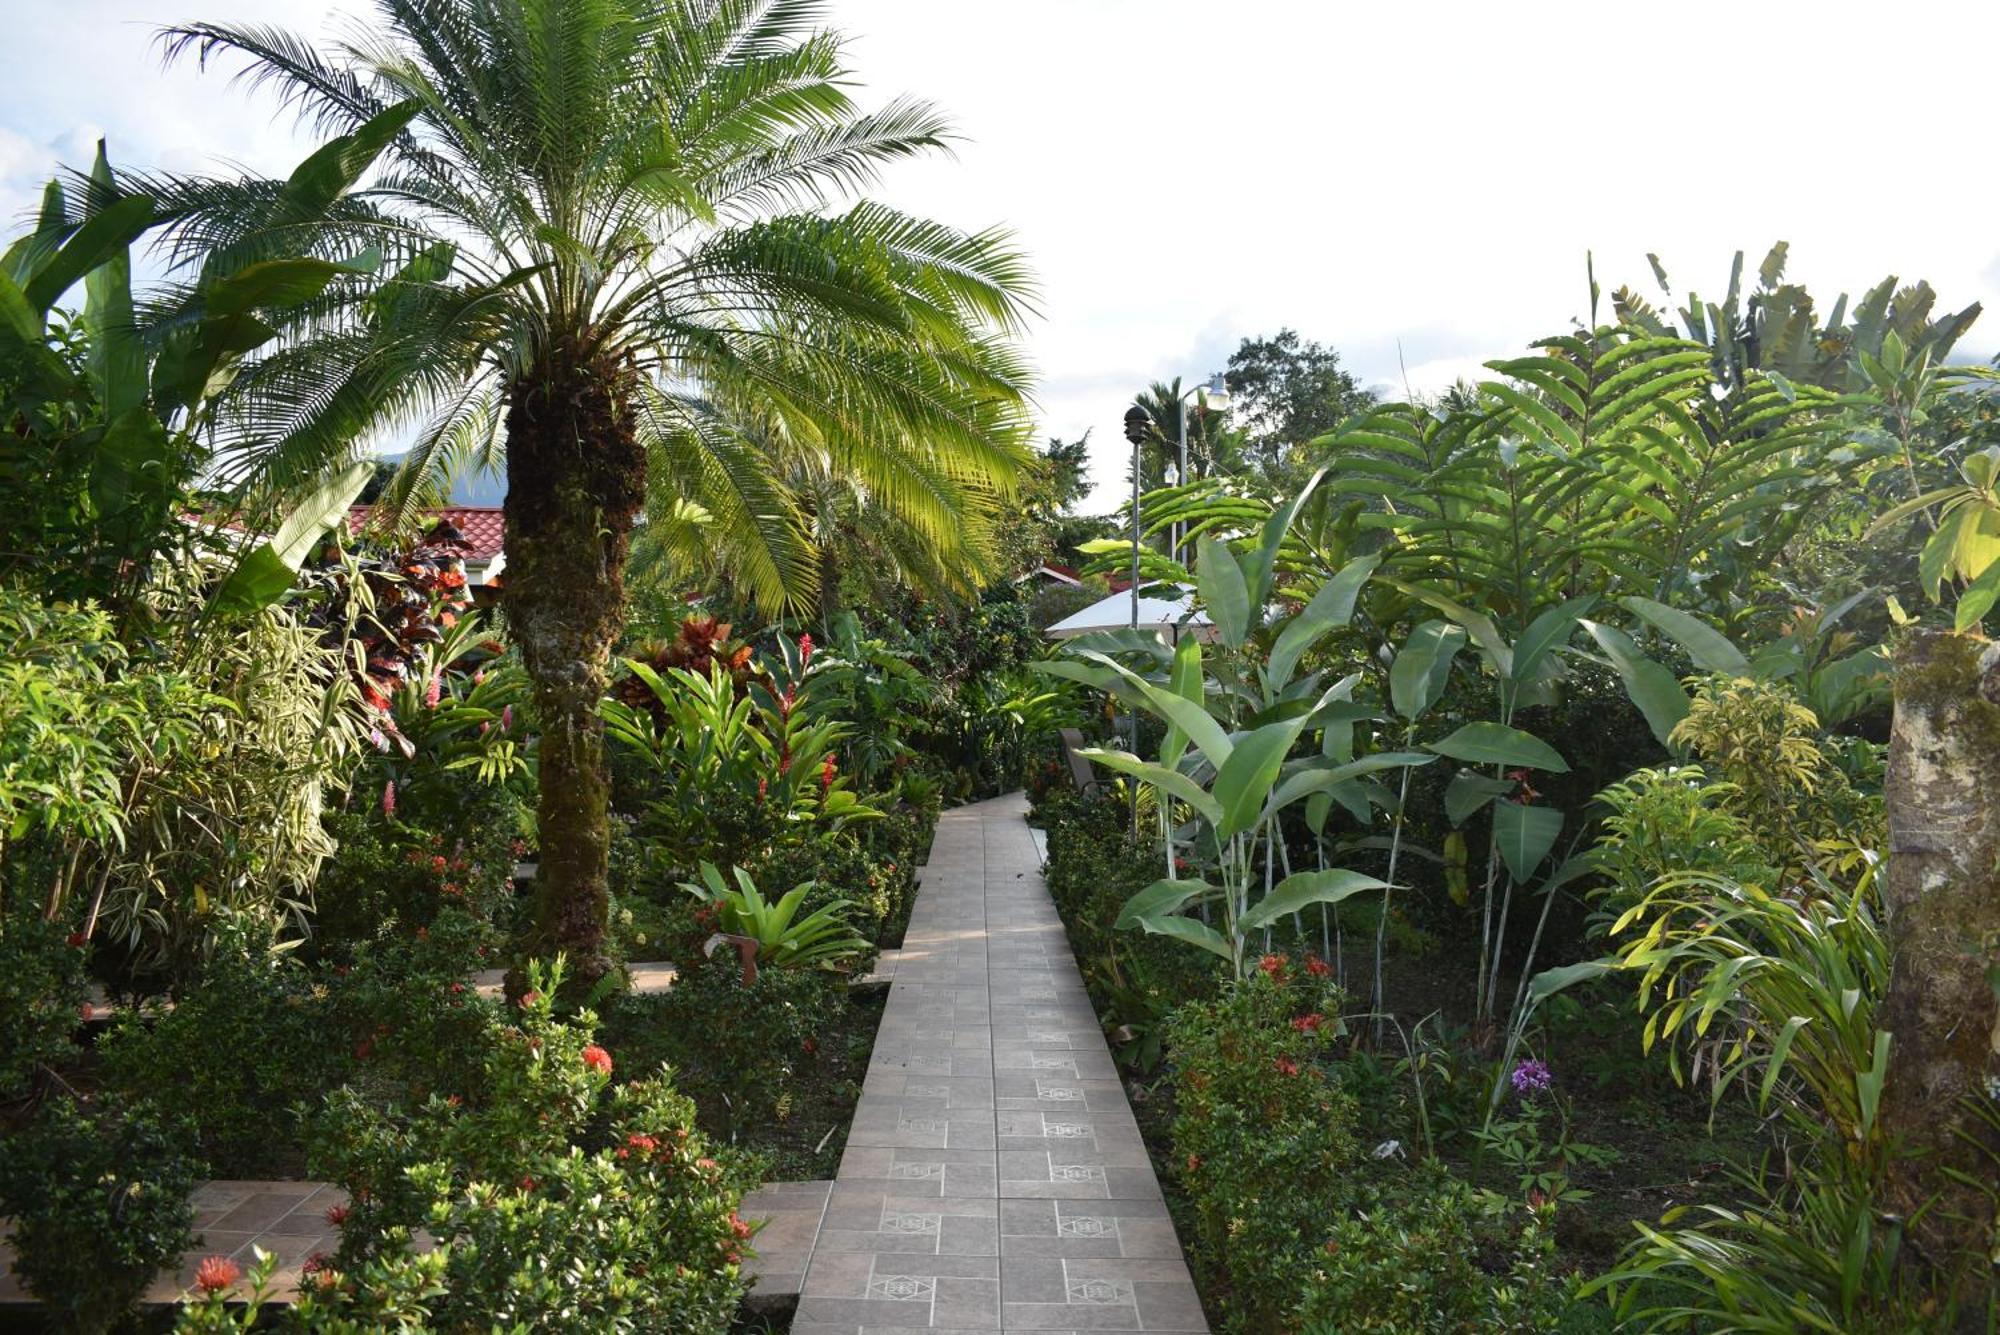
481	526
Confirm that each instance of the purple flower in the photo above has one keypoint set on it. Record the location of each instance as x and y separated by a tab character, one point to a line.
1532	1077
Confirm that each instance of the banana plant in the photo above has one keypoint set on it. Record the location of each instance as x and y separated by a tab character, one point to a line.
153	404
1833	677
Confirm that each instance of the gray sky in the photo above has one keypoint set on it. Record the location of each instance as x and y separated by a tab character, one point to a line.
1415	182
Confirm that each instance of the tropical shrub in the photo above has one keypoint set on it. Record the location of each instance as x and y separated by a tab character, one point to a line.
99	1200
728	775
735	1048
1263	1134
387	875
553	1194
836	868
42	988
246	1050
1417	1253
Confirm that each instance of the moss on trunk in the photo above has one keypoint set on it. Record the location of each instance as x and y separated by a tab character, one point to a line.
1943	894
575	484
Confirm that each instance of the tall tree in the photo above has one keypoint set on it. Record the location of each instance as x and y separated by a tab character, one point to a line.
612	228
1286	392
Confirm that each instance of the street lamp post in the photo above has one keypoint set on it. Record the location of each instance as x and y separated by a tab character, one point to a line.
1137	426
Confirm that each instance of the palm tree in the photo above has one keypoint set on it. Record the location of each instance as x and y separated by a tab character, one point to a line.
613	249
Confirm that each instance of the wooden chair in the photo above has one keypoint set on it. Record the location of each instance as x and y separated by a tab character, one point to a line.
1081	772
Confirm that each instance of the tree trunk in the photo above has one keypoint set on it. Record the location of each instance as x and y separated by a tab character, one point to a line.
575	483
1943	896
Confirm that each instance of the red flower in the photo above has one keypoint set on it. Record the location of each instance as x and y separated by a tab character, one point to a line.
706	1165
1193	1162
597	1059
805	650
216	1273
389	799
527	1184
319	1263
738	1226
1536	1199
528	998
364	1049
811	1046
76	940
337	1215
1317	967
763	787
1309	1024
641	1144
434	691
1273	966
1286	1066
826	773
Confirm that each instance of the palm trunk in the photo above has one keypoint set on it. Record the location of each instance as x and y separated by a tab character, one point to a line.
1943	898
575	483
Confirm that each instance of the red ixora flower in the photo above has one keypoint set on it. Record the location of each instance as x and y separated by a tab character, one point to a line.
1286	1066
337	1215
77	940
637	1143
1273	965
216	1273
738	1226
1309	1024
1317	967
528	998
826	773
597	1059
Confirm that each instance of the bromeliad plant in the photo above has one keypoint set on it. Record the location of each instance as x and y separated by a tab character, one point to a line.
822	939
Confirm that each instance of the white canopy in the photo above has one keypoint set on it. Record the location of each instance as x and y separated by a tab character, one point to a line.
1169	615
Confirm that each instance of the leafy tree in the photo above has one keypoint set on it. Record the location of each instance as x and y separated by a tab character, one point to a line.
612	226
1288	391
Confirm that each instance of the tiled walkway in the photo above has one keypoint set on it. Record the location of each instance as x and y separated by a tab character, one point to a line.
994	1178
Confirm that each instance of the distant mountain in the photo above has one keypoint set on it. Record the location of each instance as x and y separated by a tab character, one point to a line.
479	489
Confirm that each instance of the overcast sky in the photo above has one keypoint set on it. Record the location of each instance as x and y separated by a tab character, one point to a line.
1414	183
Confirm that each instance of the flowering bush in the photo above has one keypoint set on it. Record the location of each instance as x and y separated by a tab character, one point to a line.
99	1201
556	1199
1263	1138
390	876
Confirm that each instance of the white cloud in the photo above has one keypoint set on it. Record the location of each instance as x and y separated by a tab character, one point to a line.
1416	183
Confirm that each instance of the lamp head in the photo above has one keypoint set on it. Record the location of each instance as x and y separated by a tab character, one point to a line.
1215	395
1137	424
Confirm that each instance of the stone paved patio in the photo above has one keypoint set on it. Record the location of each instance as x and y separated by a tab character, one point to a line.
994	1179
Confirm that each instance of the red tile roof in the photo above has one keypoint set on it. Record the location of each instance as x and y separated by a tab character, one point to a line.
480	525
